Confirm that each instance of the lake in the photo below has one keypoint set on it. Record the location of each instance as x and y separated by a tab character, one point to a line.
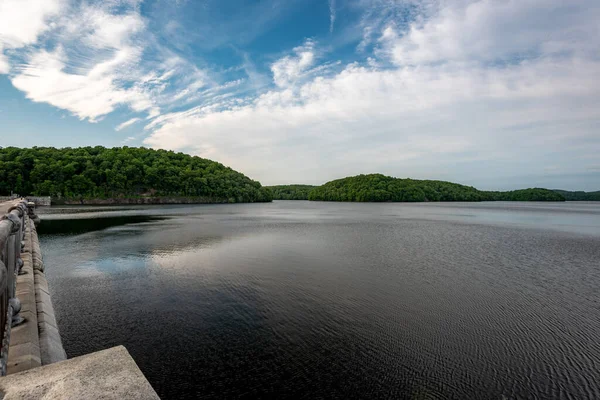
336	300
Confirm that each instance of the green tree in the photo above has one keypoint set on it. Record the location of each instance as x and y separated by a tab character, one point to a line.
98	172
291	192
381	188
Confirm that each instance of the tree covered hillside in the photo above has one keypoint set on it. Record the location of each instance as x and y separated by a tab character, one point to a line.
99	172
290	192
377	187
579	196
533	194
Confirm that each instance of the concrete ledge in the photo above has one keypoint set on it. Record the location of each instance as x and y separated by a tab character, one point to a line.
27	332
23	363
107	374
42	297
41	285
51	349
44	318
23	357
36	254
24	350
45	308
37	340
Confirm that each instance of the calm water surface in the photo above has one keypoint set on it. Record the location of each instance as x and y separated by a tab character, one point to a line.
336	300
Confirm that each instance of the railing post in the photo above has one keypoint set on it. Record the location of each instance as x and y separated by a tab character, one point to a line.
14	251
31	213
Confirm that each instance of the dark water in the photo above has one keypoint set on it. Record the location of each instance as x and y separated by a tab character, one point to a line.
330	300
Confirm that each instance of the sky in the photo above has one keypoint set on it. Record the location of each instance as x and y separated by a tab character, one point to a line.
497	94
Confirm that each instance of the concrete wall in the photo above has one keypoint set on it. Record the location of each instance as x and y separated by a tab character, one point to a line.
40	200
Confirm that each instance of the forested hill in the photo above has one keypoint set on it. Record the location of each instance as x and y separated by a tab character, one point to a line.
579	196
290	192
532	194
122	172
377	187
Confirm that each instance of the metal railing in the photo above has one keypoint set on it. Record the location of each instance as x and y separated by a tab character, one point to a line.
12	234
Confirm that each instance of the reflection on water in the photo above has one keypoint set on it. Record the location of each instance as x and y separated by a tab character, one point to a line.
298	299
82	225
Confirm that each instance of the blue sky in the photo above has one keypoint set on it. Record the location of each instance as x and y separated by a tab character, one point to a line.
499	94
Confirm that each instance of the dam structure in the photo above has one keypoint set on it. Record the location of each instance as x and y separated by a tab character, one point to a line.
33	362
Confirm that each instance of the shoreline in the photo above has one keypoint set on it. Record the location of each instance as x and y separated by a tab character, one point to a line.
148	200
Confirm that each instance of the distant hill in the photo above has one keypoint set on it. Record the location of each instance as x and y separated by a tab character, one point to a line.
290	192
579	196
122	174
531	194
381	188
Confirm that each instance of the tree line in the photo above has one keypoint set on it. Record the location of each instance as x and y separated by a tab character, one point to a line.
109	173
381	188
99	172
579	195
290	192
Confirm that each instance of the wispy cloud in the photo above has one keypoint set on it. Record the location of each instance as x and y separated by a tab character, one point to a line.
332	15
379	14
218	24
127	123
94	58
87	71
289	69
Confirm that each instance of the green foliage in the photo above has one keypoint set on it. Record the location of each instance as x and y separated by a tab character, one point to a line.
579	196
290	192
99	172
534	194
380	188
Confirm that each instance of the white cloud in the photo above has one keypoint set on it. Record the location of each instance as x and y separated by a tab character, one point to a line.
455	96
487	30
377	14
85	72
88	95
4	64
99	25
363	119
127	123
21	23
289	69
